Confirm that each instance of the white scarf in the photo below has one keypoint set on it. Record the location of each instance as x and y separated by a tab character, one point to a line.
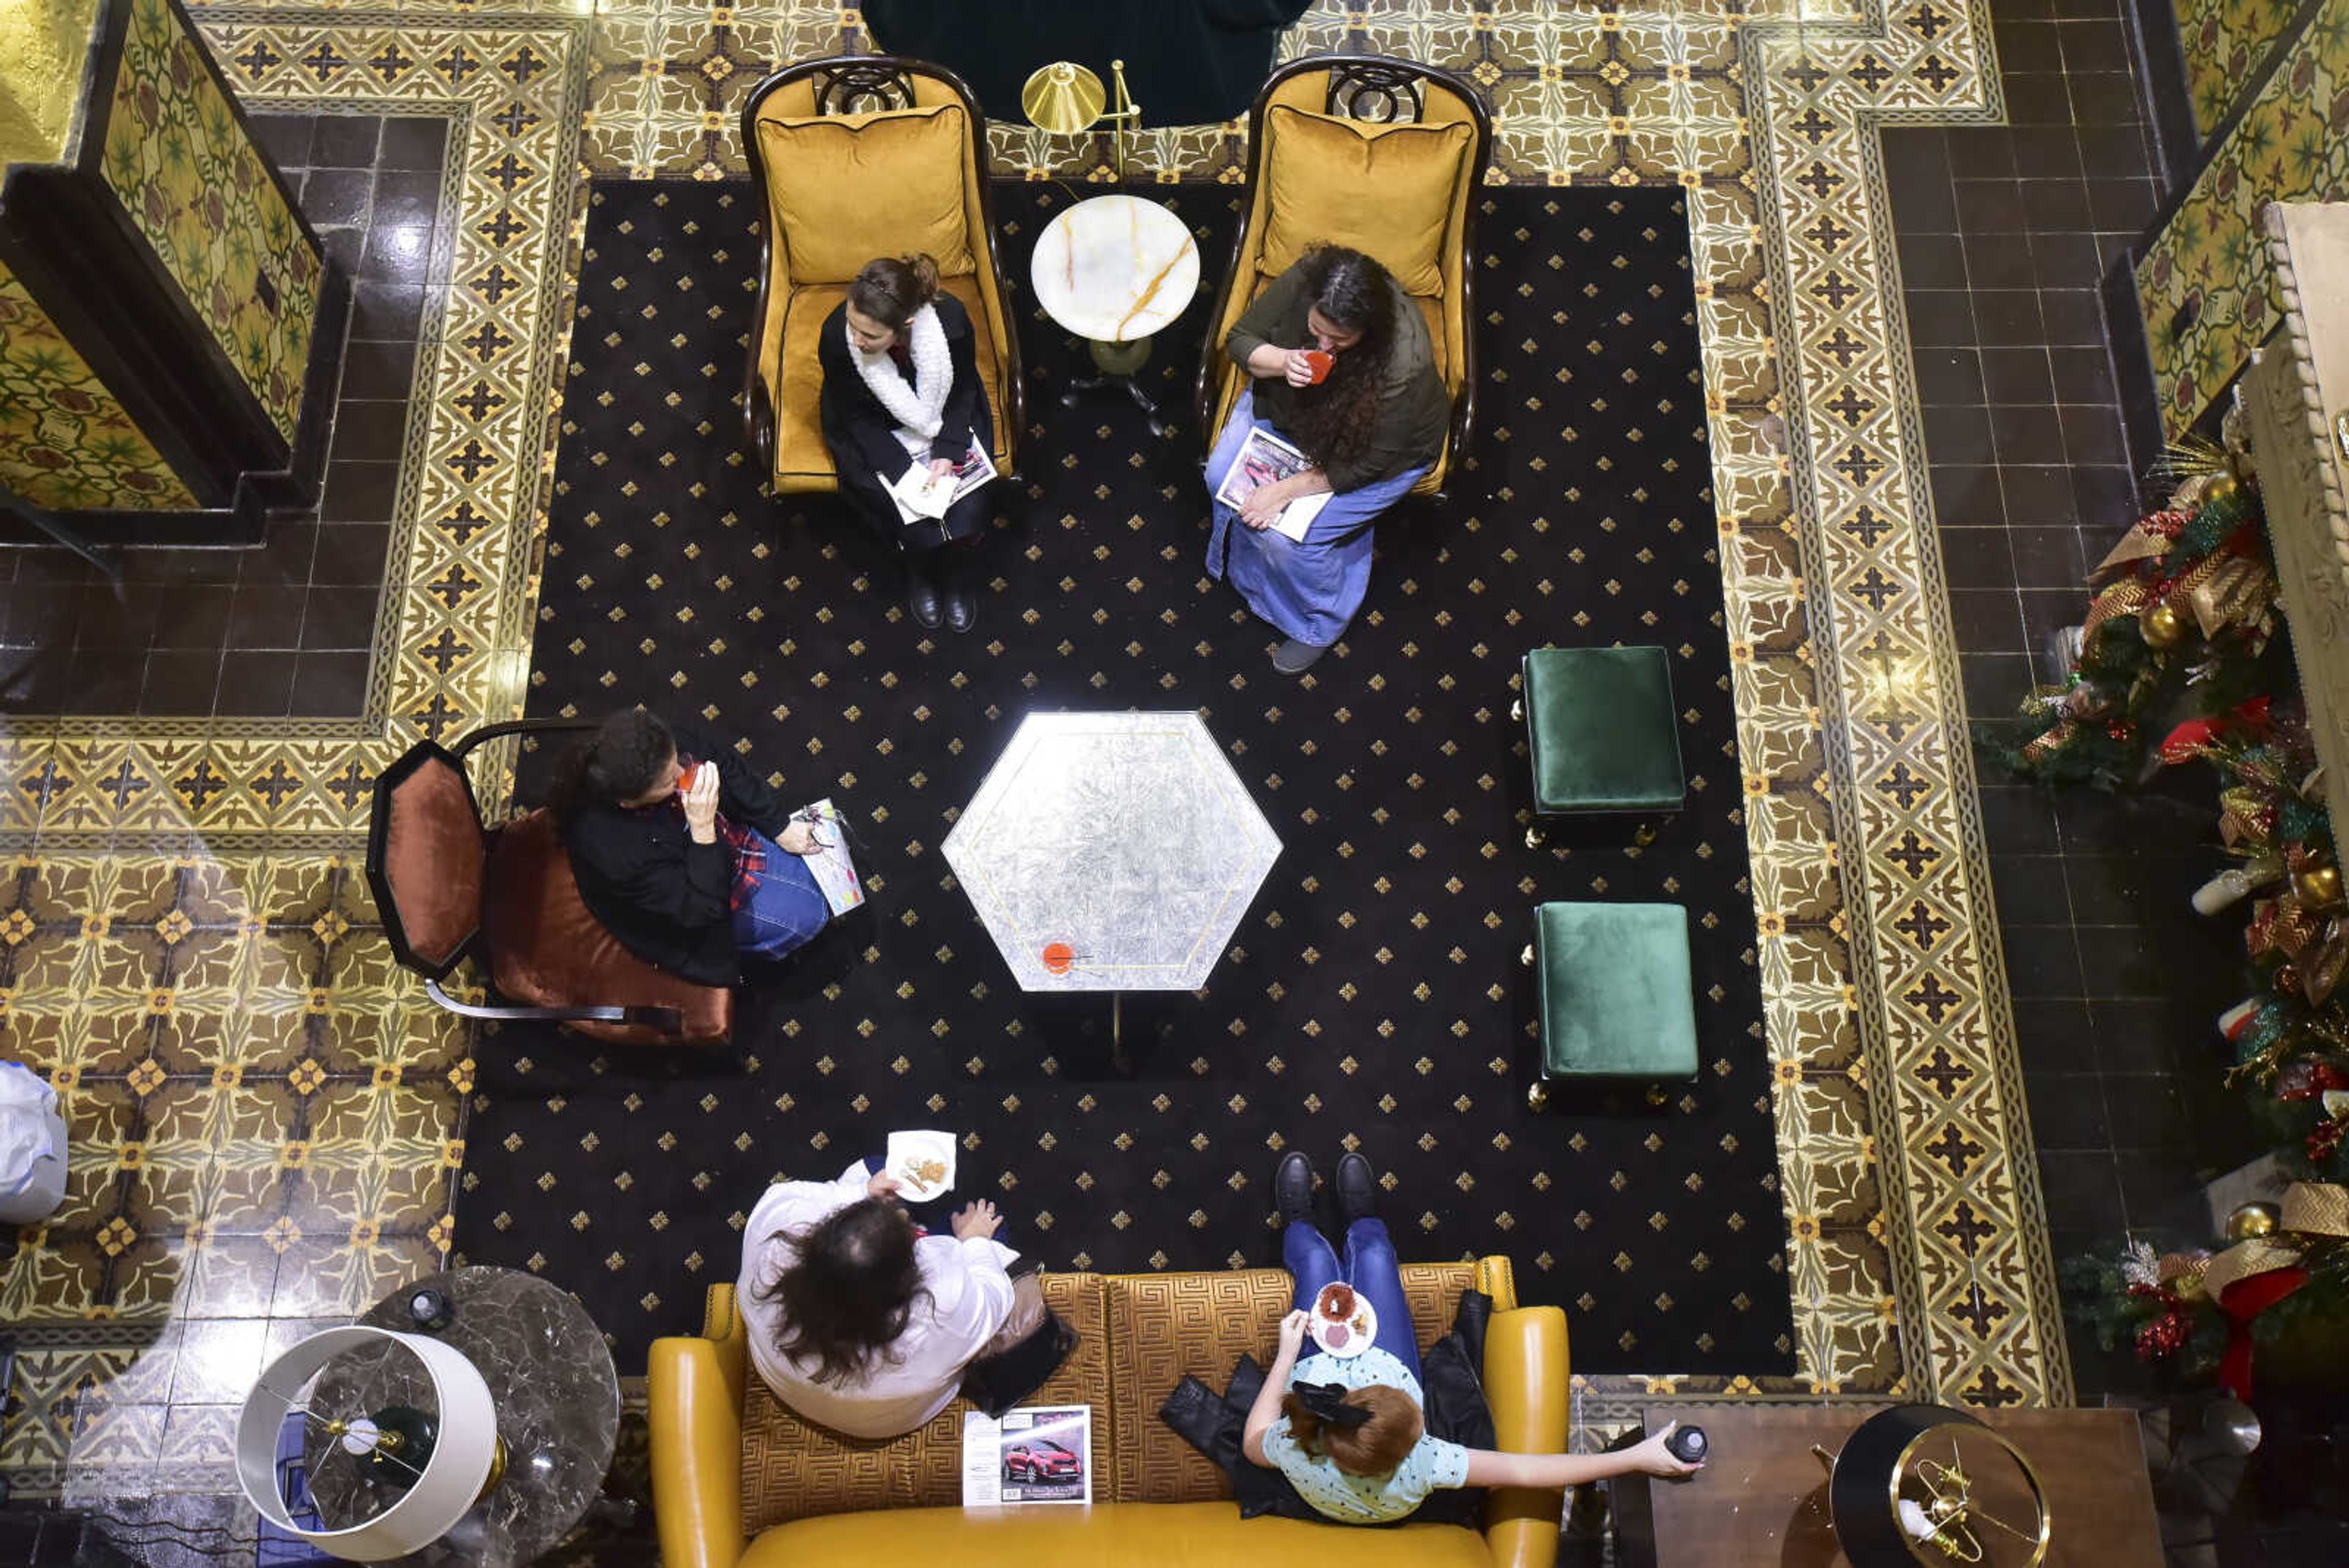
916	408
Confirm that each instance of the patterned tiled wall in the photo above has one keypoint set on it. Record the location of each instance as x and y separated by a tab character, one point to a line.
2292	145
2227	43
65	441
195	186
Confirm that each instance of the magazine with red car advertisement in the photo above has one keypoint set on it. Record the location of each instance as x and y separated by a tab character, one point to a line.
1034	1454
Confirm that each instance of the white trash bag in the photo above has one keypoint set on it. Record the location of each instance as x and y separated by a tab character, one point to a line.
32	1146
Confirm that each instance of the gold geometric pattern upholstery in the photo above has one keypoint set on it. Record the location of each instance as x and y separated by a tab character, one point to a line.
792	1469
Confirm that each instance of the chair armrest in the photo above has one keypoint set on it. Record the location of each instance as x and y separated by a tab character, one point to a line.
695	1413
1498	1280
1526	1385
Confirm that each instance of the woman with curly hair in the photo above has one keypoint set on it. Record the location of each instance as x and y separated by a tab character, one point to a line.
859	1321
1371	426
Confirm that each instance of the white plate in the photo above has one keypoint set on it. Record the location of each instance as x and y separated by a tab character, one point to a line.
907	1149
1361	1329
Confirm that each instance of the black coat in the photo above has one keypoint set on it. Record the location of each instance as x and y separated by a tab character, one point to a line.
1189	62
861	432
667	898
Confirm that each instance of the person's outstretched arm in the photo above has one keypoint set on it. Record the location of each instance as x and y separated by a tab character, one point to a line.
1267	1408
1488	1467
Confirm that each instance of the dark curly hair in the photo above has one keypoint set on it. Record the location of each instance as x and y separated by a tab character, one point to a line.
1354	294
621	760
852	1292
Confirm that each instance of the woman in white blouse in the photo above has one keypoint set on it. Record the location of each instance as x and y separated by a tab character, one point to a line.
860	1323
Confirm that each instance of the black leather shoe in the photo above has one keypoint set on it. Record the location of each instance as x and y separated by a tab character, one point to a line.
922	599
1292	1187
962	610
1357	1192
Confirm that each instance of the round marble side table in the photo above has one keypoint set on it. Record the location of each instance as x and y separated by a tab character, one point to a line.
557	1398
1115	270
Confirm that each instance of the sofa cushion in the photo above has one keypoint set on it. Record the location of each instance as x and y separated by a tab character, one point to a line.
548	950
793	1470
1385	190
1209	1535
799	452
1164	1327
845	188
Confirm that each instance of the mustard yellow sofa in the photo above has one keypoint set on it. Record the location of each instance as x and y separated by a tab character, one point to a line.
856	157
1381	156
737	1480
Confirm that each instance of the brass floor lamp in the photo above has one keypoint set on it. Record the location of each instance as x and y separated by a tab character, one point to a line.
1066	99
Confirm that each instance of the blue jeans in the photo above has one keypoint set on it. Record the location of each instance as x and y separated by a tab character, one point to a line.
1370	1267
785	907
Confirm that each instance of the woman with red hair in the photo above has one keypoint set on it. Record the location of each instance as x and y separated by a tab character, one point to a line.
1349	1431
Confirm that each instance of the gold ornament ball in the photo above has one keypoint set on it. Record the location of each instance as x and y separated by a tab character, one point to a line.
2319	886
2223	487
2162	626
2251	1219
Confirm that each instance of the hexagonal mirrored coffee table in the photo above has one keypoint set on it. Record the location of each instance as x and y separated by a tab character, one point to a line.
1111	852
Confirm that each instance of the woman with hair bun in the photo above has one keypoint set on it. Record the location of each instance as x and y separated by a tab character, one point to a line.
901	387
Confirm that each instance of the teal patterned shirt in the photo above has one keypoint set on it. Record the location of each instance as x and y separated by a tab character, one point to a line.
1364	1499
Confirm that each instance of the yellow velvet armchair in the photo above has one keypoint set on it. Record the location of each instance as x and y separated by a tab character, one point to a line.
1379	155
856	157
738	1481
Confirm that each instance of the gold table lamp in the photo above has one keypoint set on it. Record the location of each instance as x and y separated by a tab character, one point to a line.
1064	100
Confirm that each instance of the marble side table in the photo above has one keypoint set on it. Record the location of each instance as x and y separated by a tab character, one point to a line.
1115	270
558	1406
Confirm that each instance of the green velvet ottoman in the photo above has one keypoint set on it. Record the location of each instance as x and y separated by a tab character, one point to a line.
1602	731
1615	992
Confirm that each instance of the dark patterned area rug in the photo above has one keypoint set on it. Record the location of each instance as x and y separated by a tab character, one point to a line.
1373	996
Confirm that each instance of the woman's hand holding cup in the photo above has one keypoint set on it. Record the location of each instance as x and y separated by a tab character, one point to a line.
699	791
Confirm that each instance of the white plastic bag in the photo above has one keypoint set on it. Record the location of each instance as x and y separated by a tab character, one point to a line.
32	1146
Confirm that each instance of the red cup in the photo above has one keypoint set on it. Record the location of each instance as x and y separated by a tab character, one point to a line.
685	780
1320	364
1058	957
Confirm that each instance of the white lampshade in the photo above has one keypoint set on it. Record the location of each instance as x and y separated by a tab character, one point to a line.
453	1476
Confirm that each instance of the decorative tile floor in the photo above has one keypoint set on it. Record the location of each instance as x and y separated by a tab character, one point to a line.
265	1112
